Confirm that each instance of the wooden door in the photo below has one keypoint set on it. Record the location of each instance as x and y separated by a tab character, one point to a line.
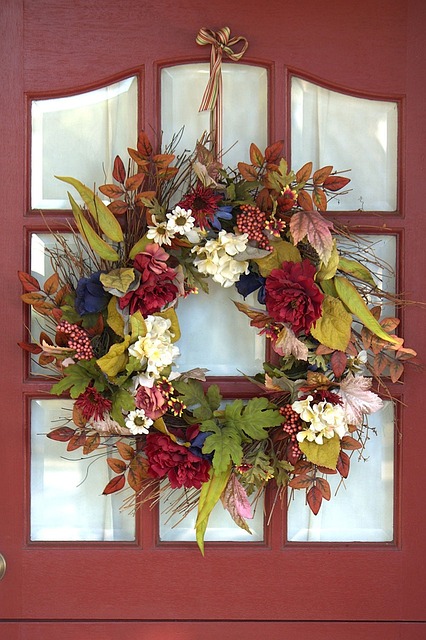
276	589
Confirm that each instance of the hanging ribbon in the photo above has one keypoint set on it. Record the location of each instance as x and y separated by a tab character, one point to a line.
221	43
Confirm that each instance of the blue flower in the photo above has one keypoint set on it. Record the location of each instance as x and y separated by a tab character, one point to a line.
251	282
197	445
91	297
224	213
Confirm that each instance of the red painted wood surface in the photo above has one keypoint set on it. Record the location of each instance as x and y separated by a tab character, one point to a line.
282	590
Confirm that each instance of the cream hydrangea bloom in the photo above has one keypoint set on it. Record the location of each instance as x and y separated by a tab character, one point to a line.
155	349
215	258
324	419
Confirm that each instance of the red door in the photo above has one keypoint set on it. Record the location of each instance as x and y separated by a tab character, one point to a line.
277	589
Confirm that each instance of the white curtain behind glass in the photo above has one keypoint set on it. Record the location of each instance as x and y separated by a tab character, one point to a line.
331	128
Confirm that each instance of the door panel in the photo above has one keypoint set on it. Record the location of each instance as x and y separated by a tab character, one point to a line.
282	588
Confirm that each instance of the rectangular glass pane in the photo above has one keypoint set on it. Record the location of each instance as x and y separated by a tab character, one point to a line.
331	128
216	336
362	510
80	136
182	89
221	527
66	491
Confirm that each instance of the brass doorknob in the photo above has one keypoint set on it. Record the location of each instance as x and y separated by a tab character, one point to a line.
2	566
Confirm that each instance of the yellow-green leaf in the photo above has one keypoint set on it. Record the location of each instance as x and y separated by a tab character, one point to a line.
209	495
333	329
170	314
324	455
349	295
328	270
116	359
102	248
119	279
100	212
356	269
139	247
114	318
138	325
282	251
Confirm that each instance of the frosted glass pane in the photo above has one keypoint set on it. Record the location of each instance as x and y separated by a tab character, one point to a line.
221	527
245	107
331	128
362	510
80	136
66	492
218	337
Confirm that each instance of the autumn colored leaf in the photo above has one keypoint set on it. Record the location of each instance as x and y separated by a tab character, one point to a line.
111	191
125	450
78	440
316	228
256	156
343	464
77	417
118	171
304	173
61	434
45	359
92	443
247	171
31	347
118	207
389	324
302	466
264	200
301	481
258	318
114	485
134	182
321	175
29	283
140	159
43	308
380	362
274	152
320	199
32	298
349	443
304	200
137	473
324	486
326	470
314	499
162	160
168	173
366	336
117	465
51	285
335	182
144	145
322	350
60	295
338	363
396	369
405	354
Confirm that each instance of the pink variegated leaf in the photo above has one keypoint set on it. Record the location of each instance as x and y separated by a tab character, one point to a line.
234	500
313	226
357	398
288	345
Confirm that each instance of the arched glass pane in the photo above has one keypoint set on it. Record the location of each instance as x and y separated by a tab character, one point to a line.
66	489
347	132
362	510
80	136
245	115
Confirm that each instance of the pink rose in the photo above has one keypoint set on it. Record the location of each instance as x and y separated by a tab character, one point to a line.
152	401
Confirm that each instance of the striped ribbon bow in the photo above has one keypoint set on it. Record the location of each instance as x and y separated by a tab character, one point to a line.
221	43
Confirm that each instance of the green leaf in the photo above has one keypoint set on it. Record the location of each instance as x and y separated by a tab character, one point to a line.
323	455
328	270
282	251
76	379
253	418
138	326
209	495
119	281
333	328
191	393
102	248
356	269
100	212
224	443
122	400
140	246
354	302
114	318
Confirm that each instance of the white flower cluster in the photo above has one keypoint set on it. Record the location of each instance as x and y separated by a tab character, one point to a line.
155	349
179	222
215	258
325	419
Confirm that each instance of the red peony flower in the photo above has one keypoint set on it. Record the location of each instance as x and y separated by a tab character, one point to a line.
203	203
153	261
150	297
292	297
152	401
167	458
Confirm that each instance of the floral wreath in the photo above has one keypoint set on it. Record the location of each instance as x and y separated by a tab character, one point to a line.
112	331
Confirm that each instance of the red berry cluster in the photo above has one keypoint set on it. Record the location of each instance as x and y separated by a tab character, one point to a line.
252	221
77	340
292	425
